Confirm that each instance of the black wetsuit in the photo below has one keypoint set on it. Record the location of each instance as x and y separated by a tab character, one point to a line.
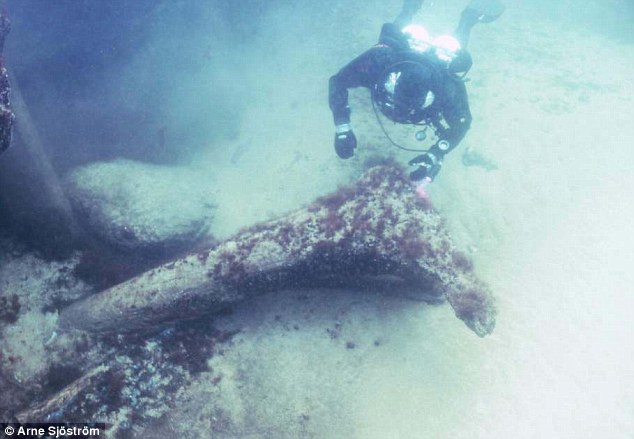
449	113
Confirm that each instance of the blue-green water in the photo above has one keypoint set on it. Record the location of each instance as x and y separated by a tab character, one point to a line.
235	95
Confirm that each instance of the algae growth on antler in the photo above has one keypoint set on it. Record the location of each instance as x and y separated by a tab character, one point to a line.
377	226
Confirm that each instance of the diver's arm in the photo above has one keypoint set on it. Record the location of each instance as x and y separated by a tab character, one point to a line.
358	73
449	138
451	127
338	97
363	71
429	163
456	114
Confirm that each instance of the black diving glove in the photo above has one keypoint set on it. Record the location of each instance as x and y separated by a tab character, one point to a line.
345	141
428	166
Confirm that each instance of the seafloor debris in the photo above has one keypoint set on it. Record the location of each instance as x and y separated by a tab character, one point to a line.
377	226
471	157
6	115
128	381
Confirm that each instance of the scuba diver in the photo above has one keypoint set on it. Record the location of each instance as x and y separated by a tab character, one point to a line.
414	79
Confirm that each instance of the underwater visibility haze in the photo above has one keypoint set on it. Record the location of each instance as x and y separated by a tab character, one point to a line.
191	246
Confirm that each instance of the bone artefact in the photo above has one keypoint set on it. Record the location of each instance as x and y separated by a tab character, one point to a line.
377	226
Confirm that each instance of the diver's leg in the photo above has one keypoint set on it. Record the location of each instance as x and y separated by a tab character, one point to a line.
468	19
477	11
410	8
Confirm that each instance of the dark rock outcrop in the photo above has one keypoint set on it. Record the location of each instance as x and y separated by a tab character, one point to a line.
139	207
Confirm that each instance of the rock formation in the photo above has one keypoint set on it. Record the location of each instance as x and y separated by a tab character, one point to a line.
377	226
135	206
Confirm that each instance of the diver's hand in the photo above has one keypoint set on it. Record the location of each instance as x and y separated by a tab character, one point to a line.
428	166
419	187
345	141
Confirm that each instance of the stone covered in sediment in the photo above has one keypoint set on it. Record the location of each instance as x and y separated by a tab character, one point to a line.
139	207
376	226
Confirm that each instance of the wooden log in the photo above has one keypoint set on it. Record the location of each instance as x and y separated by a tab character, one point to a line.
377	226
64	398
37	171
49	188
